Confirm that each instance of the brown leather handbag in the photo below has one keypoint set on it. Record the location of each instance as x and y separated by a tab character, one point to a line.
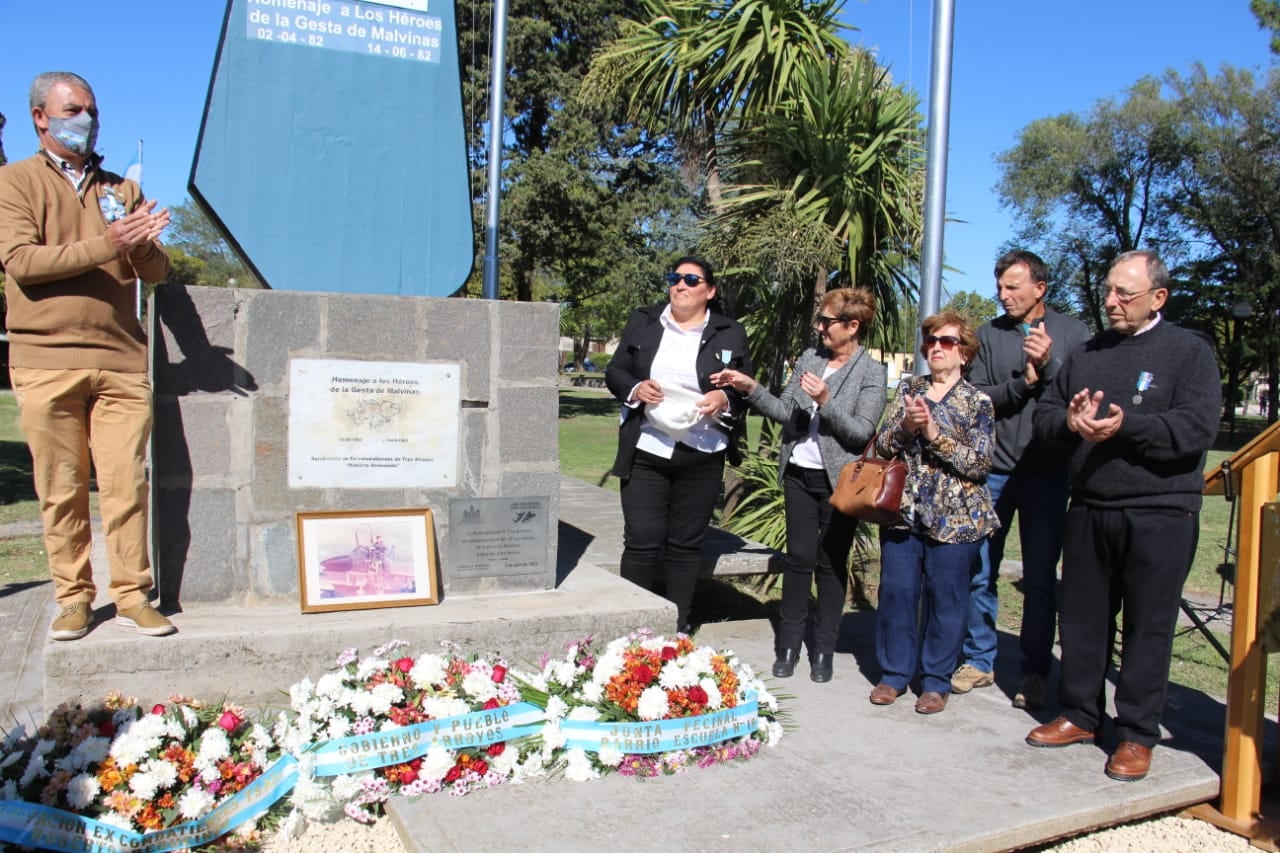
870	488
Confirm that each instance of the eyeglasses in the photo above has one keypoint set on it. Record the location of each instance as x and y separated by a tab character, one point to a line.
1124	297
689	279
824	322
948	342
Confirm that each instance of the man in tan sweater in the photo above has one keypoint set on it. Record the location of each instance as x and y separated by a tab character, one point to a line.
73	238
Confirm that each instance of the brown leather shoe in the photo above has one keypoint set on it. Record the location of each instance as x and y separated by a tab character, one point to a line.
1059	732
1130	762
883	694
931	702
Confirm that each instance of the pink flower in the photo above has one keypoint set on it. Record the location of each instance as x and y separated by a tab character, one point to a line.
668	653
157	708
229	722
697	695
404	664
499	673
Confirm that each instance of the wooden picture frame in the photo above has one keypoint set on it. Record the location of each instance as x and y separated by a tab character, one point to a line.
364	559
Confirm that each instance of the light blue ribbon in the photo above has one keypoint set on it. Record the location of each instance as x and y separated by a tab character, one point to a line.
399	746
664	735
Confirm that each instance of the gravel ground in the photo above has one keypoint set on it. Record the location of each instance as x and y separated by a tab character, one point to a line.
1161	833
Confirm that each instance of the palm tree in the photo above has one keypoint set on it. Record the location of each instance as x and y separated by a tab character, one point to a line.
833	180
695	67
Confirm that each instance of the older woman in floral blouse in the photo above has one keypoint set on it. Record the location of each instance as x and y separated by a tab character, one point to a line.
942	427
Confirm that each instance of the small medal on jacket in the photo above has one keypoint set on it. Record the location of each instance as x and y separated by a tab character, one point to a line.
1144	382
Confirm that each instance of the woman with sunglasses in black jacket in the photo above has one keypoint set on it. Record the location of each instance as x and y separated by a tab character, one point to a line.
677	429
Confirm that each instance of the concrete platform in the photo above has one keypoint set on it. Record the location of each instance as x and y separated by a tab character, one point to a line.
848	776
250	652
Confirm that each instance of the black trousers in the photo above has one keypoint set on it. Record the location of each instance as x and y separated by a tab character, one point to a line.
818	542
1138	560
667	506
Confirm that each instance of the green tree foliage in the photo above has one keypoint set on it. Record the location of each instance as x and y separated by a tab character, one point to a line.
1087	187
1187	167
826	191
589	205
697	67
976	309
1268	14
200	254
1225	193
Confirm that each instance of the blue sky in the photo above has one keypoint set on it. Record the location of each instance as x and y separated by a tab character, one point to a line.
1014	61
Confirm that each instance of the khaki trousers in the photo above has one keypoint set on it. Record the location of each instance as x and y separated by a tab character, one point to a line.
65	416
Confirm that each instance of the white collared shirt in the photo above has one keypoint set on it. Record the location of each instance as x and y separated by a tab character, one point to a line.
69	170
675	365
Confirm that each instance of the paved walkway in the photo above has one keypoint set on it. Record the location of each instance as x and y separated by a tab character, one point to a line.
848	776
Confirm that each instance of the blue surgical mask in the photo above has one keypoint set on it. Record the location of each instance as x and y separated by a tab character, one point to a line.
77	134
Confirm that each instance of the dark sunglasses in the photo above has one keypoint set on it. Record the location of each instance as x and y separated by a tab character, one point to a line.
948	341
824	322
689	279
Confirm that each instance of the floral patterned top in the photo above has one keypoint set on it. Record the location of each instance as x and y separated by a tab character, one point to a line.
945	496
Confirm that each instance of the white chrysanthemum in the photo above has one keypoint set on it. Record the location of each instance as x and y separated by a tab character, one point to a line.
609	665
552	736
300	693
773	732
337	727
564	673
331	685
677	675
35	769
714	699
369	666
91	750
440	707
578	766
556	708
214	747
592	692
82	789
384	696
428	670
348	785
12	737
478	684
537	680
609	756
312	798
138	739
533	766
507	762
190	718
194	803
293	825
144	784
437	762
653	704
584	712
699	660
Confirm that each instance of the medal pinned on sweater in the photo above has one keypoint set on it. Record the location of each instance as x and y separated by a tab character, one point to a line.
1144	382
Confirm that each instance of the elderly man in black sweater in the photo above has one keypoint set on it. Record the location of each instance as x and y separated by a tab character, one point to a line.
1137	408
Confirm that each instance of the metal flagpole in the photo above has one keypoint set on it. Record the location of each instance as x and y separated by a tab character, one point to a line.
935	192
497	93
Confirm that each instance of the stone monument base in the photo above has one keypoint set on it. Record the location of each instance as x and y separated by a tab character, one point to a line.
250	653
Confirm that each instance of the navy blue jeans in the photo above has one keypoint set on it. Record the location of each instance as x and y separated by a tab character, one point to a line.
1041	504
924	596
667	505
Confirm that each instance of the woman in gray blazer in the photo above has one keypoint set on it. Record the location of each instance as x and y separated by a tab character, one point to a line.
828	411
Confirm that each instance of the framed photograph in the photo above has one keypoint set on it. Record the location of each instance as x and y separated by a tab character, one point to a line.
356	560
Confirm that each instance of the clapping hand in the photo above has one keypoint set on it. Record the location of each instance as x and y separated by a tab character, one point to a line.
142	226
917	418
1084	416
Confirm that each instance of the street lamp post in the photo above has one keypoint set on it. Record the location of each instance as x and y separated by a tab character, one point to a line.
1242	310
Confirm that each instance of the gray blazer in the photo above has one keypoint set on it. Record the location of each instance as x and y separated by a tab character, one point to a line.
846	423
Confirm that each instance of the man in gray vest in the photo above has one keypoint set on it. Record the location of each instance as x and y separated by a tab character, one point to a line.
1018	355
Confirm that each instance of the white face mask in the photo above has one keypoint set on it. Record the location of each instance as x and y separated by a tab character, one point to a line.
77	134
